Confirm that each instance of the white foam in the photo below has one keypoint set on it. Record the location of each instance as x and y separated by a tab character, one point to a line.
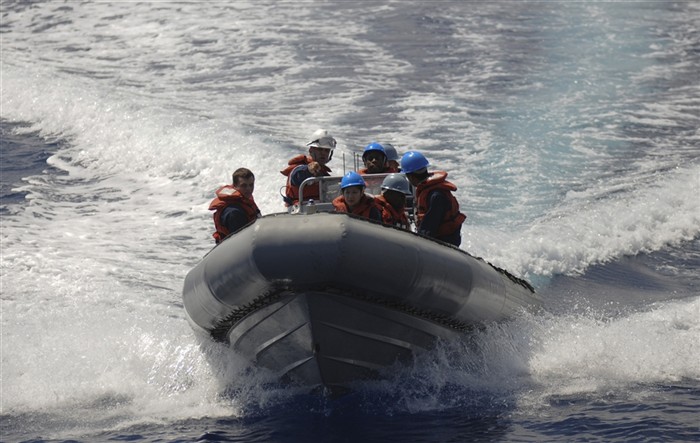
93	264
539	357
589	228
580	353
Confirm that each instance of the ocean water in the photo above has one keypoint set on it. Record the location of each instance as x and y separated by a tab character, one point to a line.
570	128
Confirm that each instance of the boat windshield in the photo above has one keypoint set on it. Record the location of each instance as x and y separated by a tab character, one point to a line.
329	189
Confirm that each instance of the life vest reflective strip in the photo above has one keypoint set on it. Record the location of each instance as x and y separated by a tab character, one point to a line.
362	209
391	216
226	196
291	191
453	219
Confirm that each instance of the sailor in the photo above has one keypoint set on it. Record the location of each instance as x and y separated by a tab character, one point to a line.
302	167
392	157
234	205
437	209
353	199
375	160
392	202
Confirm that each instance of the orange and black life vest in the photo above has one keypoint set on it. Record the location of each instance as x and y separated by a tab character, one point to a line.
363	208
391	216
226	196
292	192
453	219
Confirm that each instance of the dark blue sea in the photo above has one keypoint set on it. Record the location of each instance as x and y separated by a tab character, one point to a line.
570	129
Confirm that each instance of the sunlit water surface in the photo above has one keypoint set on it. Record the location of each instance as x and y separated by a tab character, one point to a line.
570	129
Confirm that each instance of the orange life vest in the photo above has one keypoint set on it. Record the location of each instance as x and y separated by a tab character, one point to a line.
226	196
362	209
453	218
391	216
292	192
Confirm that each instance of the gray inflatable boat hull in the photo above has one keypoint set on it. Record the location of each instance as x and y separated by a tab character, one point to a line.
328	299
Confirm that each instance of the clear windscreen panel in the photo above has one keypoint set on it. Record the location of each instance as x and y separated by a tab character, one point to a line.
329	189
330	186
374	183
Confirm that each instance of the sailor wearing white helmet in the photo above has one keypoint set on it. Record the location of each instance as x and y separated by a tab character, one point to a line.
302	167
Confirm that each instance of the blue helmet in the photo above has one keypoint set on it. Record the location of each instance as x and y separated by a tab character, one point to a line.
413	161
352	178
374	146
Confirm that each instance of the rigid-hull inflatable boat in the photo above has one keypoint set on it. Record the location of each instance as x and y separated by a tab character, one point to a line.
327	299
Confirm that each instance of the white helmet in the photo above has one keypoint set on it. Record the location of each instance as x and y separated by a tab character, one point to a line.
396	182
322	139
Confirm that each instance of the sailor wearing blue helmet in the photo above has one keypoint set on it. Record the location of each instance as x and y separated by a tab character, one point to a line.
436	208
375	159
353	199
